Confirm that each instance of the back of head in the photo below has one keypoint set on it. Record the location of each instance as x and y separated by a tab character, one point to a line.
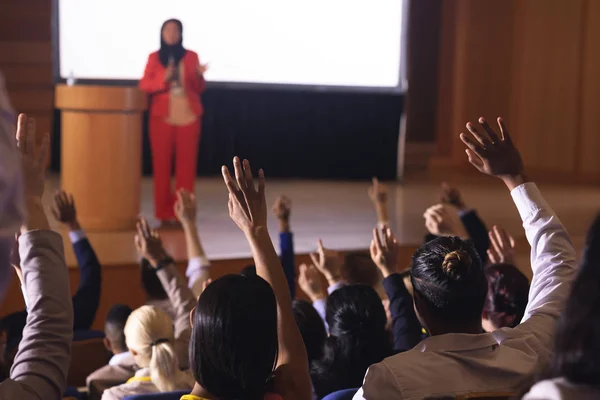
448	279
234	345
150	282
576	353
357	339
149	334
248	270
508	293
114	328
311	328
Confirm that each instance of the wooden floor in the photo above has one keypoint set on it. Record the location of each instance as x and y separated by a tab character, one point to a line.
341	214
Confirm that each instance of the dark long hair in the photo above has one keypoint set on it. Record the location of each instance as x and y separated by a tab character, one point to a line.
234	346
448	276
176	51
576	353
357	339
311	328
508	293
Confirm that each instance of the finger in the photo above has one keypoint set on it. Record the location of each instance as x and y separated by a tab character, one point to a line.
475	160
137	240
261	185
140	230
71	200
511	241
435	215
472	144
21	135
389	238
320	247
314	257
506	239
64	198
179	200
29	147
248	175
481	137
490	132
373	249
145	228
228	179
239	173
230	204
504	131
302	270
492	257
377	239
58	199
494	241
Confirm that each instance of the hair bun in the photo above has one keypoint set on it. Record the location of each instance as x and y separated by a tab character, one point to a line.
456	264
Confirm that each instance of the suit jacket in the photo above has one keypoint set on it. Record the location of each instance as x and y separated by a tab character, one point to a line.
153	83
42	361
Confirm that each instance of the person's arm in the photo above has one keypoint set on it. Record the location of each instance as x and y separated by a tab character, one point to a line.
248	209
42	360
87	297
378	194
309	280
153	81
282	210
198	269
553	258
406	329
149	245
200	83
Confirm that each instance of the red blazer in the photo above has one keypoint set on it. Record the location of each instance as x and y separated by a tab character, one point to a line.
153	83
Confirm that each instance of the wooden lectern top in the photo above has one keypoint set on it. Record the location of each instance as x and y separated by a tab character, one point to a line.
100	98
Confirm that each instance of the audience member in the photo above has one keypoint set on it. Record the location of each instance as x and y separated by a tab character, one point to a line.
158	343
40	366
450	289
575	367
122	365
245	342
311	328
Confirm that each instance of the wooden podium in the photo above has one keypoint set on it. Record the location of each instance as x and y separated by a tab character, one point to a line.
101	152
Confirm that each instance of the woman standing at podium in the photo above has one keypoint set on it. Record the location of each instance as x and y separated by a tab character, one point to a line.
174	80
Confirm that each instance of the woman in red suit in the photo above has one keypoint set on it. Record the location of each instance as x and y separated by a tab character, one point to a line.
174	80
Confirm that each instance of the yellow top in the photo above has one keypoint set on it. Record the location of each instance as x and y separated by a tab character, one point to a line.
191	397
139	379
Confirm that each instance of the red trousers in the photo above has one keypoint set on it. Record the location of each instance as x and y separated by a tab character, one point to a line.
166	139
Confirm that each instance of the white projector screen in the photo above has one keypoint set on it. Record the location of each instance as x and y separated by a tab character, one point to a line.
337	43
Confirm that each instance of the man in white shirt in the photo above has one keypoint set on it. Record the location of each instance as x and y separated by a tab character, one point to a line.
456	359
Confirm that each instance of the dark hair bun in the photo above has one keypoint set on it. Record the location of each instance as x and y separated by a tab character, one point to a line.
457	264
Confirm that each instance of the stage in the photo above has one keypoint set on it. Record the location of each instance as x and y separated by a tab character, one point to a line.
341	214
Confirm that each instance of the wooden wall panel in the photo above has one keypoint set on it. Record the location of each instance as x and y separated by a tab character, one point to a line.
546	89
589	144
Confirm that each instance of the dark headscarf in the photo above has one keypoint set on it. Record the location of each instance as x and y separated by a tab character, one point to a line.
167	51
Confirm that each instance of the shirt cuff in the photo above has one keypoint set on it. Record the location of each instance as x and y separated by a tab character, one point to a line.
462	213
528	199
77	236
334	287
196	264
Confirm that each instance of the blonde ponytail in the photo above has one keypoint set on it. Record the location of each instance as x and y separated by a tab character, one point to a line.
149	332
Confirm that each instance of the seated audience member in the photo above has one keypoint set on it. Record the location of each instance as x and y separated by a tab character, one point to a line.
450	288
87	297
357	339
245	343
282	210
158	343
575	367
122	365
40	366
311	328
198	269
150	339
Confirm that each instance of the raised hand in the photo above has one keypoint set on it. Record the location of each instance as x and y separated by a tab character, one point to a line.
502	249
185	207
282	210
384	251
309	280
247	205
33	156
148	243
443	220
451	195
64	210
492	154
327	262
377	192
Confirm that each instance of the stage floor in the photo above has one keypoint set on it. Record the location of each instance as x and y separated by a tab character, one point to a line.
341	214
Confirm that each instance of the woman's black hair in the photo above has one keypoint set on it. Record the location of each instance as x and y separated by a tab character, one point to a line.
175	51
311	328
234	346
357	339
448	276
150	282
576	354
508	293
